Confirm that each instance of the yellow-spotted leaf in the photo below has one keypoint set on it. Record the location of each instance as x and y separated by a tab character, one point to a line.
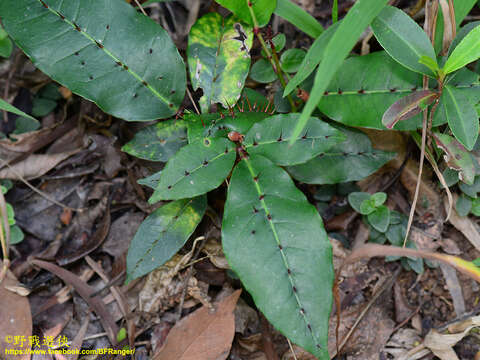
219	58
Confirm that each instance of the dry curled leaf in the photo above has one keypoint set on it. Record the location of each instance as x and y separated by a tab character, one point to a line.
15	317
202	335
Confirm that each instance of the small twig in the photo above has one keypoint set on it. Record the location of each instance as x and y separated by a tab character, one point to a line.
291	349
141	8
4	236
193	102
189	275
39	192
273	58
386	285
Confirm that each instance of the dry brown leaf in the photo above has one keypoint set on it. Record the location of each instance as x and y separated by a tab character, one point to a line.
202	335
34	166
442	344
15	317
465	225
85	291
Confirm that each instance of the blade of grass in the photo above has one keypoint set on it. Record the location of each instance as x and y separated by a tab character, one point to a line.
335	11
346	36
295	15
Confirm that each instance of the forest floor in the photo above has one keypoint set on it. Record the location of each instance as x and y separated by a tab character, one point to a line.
74	162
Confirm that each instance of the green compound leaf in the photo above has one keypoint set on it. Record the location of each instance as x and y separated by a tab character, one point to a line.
214	125
263	72
366	86
456	157
271	137
158	142
102	50
403	39
380	218
219	58
461	115
275	242
465	52
195	169
162	234
379	198
352	160
262	9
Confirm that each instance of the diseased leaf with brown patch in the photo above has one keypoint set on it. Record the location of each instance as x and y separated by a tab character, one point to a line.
407	107
202	335
15	317
456	157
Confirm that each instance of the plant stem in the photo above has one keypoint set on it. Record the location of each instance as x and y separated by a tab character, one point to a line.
272	56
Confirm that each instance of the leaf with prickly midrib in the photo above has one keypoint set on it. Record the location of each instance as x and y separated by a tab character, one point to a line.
366	86
162	234
158	142
219	58
341	43
195	169
270	138
89	47
214	125
275	242
350	160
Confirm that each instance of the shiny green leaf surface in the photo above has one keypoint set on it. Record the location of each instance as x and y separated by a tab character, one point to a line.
90	47
275	242
162	234
351	160
219	58
195	169
465	52
158	142
461	115
341	43
262	9
403	39
298	17
270	138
